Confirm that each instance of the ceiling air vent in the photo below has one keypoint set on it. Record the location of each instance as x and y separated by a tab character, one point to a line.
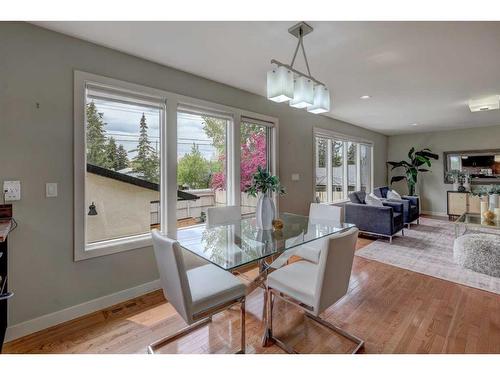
488	103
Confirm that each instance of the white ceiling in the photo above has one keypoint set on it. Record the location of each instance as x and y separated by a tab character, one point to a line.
415	72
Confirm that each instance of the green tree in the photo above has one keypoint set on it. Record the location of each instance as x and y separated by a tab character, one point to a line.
321	145
111	154
337	153
96	139
351	154
215	128
121	158
193	170
145	163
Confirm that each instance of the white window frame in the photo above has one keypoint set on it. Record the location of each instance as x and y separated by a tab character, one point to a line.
168	160
331	137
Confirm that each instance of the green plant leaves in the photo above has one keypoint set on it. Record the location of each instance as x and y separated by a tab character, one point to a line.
427	154
417	159
397	178
263	182
410	153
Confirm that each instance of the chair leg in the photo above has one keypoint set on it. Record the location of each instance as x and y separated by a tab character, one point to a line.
183	332
269	338
266	340
242	319
193	327
360	343
390	239
402	232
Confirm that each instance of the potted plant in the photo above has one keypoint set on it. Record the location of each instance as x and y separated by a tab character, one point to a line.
459	178
413	167
263	185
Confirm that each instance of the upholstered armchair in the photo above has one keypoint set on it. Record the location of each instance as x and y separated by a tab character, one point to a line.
383	221
411	204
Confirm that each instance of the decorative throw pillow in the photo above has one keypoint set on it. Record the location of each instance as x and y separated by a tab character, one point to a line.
393	194
373	200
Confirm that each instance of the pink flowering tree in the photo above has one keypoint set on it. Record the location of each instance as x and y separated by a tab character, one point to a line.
253	155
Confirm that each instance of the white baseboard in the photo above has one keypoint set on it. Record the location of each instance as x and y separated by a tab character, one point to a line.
73	312
434	213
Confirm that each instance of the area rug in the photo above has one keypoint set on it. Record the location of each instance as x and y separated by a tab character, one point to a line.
428	248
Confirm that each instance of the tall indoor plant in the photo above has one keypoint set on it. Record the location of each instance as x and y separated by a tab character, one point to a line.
263	185
416	159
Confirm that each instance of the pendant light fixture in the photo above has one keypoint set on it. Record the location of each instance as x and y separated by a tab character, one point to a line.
284	83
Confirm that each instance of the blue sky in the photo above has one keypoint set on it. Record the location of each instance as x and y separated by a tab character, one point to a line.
122	123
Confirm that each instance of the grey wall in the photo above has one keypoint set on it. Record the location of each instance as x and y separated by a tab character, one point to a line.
36	66
431	185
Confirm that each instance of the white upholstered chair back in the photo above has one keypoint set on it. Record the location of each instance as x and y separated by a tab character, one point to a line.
323	212
334	272
223	215
173	276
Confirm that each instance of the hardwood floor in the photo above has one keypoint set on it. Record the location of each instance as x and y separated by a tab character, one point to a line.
392	309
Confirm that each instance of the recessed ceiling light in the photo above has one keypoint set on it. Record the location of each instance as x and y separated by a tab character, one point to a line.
365	97
414	124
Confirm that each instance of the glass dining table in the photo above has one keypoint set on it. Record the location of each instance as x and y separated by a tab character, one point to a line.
237	244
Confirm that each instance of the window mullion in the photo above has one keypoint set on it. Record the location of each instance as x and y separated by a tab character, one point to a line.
168	185
329	171
345	170
358	167
233	148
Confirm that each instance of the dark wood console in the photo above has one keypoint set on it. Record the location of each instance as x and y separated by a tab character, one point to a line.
6	225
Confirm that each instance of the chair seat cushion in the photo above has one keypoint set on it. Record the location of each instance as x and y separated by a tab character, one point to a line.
212	286
297	280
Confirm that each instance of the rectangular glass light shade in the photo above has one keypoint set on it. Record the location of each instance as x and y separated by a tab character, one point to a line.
303	93
279	84
321	100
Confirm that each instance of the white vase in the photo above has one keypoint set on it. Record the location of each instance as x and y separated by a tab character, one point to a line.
265	212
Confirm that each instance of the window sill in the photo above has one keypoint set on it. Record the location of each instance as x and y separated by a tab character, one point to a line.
114	246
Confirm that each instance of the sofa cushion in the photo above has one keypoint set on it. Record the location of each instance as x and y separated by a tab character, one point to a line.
381	191
357	197
373	200
393	194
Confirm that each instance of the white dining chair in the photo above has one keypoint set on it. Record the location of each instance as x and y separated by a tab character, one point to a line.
223	215
196	294
325	212
318	213
315	287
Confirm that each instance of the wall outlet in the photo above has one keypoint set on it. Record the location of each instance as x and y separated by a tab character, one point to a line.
51	189
12	190
295	177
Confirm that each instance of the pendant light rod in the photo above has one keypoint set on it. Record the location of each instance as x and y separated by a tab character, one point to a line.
279	63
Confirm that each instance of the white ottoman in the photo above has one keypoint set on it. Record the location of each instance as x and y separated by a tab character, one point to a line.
479	252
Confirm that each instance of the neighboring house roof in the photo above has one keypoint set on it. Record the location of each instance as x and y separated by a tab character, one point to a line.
104	172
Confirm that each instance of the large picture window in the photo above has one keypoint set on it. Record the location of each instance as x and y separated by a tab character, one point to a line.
122	139
201	164
255	145
341	167
145	158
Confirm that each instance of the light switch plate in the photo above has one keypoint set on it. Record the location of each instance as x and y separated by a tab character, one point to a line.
295	177
51	189
12	190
